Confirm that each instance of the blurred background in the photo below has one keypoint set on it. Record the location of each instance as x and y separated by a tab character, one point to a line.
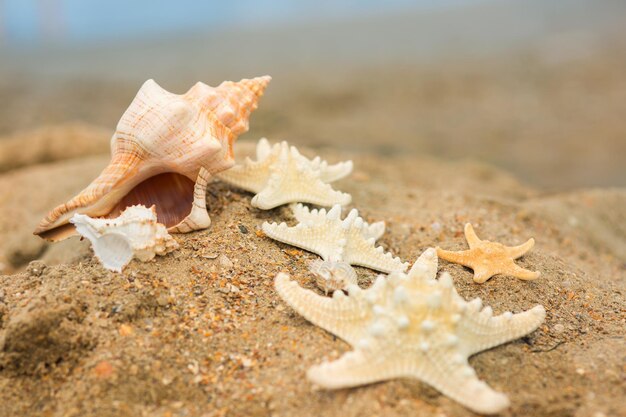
535	87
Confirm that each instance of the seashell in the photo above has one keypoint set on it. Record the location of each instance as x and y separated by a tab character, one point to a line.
331	276
135	233
165	149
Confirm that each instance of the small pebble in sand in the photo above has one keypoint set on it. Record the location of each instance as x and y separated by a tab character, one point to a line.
103	369
580	371
125	330
233	289
246	362
559	328
35	268
243	229
225	262
436	226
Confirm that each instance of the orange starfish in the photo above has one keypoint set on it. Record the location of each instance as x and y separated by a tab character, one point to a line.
490	258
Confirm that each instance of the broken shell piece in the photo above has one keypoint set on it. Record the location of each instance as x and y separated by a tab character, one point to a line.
281	175
135	233
333	276
164	150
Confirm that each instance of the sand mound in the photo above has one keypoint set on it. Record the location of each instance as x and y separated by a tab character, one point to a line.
27	194
52	143
201	331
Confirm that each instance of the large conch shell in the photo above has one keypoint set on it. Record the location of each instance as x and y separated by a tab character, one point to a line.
164	151
135	233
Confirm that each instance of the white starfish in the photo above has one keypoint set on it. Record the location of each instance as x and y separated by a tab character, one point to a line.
410	325
311	217
325	234
282	175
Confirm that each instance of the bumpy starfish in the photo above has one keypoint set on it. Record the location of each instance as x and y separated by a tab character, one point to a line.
311	217
410	325
350	240
490	258
282	175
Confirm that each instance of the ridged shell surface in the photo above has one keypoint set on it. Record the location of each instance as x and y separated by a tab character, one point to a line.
332	276
161	143
135	233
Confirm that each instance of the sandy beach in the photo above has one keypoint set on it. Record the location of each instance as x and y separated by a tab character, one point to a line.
519	145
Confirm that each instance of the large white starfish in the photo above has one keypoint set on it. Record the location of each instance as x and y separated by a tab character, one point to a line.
410	325
282	175
350	240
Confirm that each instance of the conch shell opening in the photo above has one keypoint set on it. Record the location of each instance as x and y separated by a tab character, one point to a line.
170	193
164	151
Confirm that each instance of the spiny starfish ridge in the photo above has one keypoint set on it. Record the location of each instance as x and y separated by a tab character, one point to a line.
410	325
487	258
311	217
350	240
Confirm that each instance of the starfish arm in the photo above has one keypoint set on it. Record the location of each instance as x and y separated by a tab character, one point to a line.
470	236
464	257
340	315
363	252
425	267
521	273
310	217
356	368
481	331
323	240
328	173
289	184
250	176
374	230
449	373
517	251
331	173
482	274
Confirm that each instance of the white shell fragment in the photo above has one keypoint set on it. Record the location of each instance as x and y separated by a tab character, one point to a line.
410	325
281	175
350	240
333	276
135	233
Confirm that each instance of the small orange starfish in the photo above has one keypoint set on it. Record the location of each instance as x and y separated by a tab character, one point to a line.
490	258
